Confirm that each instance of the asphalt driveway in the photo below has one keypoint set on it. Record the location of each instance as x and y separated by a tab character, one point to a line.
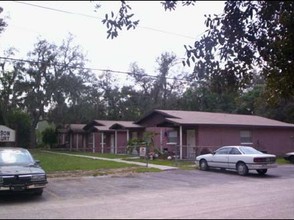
177	194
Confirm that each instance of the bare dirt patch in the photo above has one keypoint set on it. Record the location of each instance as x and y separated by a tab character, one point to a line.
100	172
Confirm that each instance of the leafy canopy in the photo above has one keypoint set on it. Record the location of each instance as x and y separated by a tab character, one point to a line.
249	38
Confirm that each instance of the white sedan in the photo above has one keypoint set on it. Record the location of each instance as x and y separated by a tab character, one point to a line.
240	158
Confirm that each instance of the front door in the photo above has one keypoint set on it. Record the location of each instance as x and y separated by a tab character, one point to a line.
112	143
191	144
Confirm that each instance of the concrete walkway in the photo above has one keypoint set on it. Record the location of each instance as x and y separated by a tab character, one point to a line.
161	167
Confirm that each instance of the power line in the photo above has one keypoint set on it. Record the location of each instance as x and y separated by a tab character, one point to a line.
94	17
87	68
57	10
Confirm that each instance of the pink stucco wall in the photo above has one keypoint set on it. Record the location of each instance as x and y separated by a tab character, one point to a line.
273	140
209	136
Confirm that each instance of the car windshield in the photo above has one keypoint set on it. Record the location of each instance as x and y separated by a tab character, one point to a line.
10	157
249	150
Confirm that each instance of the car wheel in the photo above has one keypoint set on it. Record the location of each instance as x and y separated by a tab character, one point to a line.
242	169
39	192
262	171
203	165
291	159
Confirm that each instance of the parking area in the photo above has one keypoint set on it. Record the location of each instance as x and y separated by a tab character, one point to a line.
168	194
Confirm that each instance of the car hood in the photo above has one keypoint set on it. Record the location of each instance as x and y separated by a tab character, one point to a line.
290	153
13	170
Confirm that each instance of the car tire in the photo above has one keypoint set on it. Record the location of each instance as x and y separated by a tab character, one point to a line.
203	165
38	192
242	169
261	171
291	159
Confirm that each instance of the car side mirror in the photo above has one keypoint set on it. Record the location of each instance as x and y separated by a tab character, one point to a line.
213	153
37	162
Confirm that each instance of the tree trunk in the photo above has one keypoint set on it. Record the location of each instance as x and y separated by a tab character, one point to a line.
32	136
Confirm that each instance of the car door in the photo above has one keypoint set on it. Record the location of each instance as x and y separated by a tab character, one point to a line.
234	157
220	158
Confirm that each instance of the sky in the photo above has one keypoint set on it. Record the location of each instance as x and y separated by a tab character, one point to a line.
159	31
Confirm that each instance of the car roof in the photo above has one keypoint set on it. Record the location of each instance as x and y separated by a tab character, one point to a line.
234	146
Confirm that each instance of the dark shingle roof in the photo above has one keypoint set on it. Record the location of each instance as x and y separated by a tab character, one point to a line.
76	127
107	125
211	118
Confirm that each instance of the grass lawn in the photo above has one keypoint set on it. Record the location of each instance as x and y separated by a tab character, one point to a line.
57	162
53	163
281	161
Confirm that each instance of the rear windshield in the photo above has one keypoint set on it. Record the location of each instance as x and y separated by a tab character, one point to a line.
249	150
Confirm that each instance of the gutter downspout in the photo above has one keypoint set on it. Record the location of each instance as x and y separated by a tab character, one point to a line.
181	142
115	142
102	142
77	144
93	142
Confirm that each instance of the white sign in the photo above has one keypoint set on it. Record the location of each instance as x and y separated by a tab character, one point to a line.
6	134
142	151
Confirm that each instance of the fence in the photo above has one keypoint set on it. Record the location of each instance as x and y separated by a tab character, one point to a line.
190	152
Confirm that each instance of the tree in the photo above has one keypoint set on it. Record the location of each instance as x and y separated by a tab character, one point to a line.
249	35
55	75
200	97
20	122
161	90
9	74
162	87
49	137
3	24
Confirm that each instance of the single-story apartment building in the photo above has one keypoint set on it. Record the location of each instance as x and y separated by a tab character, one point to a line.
184	133
103	136
197	132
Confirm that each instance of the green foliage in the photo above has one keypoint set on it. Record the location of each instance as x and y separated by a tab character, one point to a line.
122	19
249	35
20	122
49	137
135	144
3	24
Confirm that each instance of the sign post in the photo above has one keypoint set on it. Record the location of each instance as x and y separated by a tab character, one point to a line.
143	153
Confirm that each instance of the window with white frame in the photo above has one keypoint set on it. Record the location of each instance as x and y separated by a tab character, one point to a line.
245	137
172	137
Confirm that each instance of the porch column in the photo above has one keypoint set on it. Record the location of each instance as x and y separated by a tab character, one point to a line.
128	135
160	140
115	142
83	141
93	142
77	144
181	142
102	142
70	141
63	138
